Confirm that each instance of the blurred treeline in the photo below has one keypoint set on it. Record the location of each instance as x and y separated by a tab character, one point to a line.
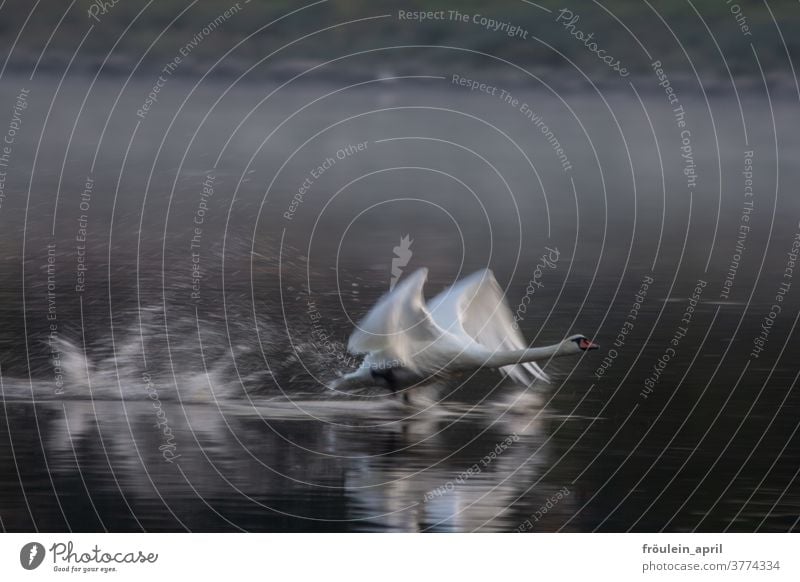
134	26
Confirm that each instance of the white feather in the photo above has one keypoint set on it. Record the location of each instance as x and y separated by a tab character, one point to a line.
457	330
476	310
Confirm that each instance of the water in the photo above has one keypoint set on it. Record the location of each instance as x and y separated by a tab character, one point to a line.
189	387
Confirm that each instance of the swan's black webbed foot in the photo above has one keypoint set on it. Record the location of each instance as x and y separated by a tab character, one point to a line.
387	376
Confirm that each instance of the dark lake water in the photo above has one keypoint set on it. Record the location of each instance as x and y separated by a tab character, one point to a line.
171	312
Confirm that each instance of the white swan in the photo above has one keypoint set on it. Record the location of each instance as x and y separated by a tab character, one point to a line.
466	327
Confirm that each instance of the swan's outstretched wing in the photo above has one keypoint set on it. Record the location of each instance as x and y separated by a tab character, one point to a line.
476	308
398	330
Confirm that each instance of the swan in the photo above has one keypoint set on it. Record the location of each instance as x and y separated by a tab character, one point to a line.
469	326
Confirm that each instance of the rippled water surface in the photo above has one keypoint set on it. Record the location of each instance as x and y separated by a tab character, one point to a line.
198	403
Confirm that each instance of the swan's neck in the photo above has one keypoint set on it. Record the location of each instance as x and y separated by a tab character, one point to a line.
513	357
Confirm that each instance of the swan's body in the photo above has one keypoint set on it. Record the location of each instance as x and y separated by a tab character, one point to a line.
468	326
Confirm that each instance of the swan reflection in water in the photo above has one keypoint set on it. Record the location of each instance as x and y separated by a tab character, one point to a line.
277	466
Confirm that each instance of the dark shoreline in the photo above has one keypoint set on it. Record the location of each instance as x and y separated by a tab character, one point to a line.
778	84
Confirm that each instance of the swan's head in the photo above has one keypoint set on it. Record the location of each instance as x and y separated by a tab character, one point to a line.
580	343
